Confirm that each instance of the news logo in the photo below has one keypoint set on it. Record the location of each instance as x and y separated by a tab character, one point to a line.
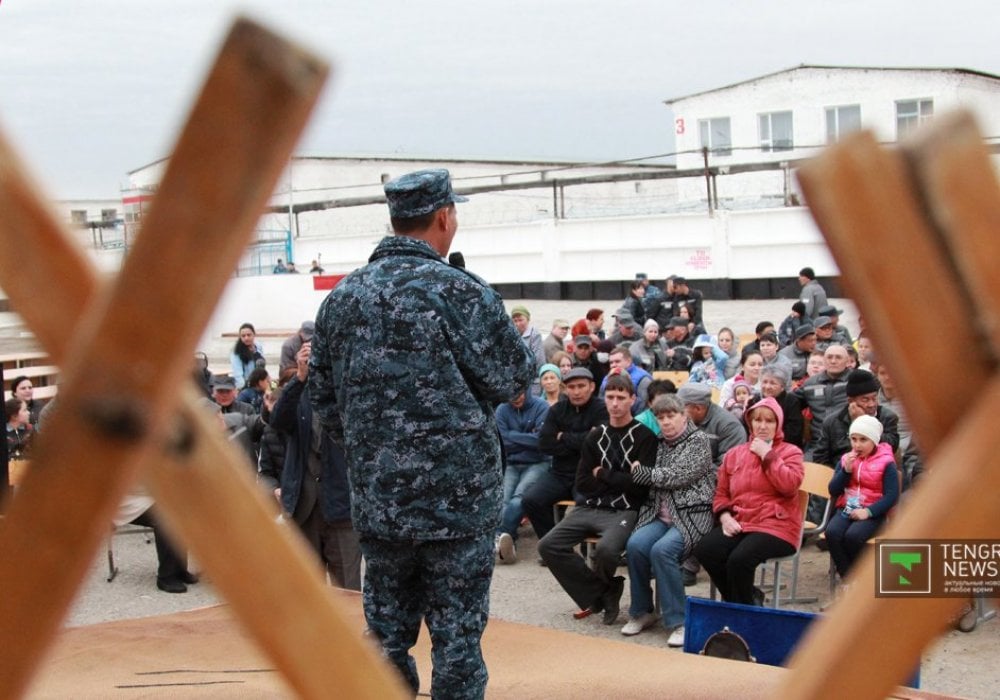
904	569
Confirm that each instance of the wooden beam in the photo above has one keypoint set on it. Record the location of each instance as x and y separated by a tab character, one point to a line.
267	149
874	212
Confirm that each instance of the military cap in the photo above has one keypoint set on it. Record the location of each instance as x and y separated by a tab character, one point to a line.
829	310
419	193
582	340
823	321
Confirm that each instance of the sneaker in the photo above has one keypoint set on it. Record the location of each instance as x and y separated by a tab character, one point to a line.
506	550
690	578
676	638
635	625
612	599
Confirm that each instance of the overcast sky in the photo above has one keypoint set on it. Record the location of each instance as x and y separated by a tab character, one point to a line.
90	90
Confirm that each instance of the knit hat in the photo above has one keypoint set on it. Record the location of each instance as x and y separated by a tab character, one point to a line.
520	311
604	346
695	393
651	324
549	367
861	382
867	426
799	308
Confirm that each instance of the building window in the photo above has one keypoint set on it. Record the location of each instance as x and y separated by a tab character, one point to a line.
715	136
776	131
912	113
841	121
78	217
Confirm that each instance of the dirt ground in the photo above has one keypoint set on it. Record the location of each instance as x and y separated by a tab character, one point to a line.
957	664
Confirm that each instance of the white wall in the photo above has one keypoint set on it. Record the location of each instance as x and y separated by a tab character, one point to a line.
736	245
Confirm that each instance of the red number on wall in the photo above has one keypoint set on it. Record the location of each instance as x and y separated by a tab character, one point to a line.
679	125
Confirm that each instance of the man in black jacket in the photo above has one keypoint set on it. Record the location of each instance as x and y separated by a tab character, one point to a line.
607	505
562	435
313	489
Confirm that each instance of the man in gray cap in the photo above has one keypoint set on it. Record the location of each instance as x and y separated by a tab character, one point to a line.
723	429
840	333
293	343
800	349
724	432
585	355
414	413
626	329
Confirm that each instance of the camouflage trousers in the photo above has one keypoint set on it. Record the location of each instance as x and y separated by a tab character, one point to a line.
445	583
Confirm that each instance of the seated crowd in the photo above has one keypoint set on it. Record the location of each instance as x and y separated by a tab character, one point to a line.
699	469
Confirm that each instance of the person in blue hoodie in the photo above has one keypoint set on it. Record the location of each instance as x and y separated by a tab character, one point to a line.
519	421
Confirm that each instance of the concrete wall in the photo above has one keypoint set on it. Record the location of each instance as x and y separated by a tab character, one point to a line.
760	248
807	92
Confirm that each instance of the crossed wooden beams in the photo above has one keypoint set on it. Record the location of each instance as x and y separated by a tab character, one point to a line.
125	405
916	235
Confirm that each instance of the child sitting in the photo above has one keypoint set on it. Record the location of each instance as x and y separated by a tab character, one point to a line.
865	486
742	395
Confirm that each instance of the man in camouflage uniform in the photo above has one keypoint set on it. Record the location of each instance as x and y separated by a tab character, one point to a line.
409	356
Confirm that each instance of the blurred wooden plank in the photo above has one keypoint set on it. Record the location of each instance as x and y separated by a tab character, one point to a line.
891	263
121	386
873	212
956	176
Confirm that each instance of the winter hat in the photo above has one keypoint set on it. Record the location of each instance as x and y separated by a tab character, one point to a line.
549	367
861	382
651	324
520	311
867	426
704	341
799	308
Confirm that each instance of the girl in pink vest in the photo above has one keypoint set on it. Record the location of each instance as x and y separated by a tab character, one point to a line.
864	487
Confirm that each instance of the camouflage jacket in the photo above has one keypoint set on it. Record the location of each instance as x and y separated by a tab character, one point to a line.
409	357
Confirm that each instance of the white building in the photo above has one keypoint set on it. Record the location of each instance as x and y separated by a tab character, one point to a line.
793	113
572	230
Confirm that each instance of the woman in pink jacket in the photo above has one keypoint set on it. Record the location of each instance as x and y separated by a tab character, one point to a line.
756	506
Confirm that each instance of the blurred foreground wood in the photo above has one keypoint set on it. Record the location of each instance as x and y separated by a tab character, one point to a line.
906	226
117	412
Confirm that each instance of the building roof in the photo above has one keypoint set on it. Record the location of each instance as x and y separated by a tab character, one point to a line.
963	71
534	164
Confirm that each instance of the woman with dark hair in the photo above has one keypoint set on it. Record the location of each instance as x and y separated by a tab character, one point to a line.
22	388
19	432
258	383
247	354
633	302
751	363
